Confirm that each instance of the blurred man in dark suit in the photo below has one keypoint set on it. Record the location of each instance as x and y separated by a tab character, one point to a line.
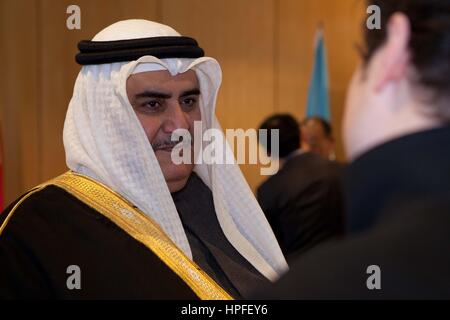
303	201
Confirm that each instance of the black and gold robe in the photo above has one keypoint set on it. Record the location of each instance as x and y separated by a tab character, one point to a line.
121	253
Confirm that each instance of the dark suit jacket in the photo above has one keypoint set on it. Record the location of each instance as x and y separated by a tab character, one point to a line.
398	206
303	202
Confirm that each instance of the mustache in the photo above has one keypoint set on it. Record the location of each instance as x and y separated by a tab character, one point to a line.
166	142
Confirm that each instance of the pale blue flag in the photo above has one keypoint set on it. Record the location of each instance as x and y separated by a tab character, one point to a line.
318	100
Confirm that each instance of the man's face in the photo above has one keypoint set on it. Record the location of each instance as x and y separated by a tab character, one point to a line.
163	104
315	139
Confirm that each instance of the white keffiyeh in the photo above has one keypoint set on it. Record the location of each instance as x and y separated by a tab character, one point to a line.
104	139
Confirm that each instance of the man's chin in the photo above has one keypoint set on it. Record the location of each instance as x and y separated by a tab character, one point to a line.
176	176
177	183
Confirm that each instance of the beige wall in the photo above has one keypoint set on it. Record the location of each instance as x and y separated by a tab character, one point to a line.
265	48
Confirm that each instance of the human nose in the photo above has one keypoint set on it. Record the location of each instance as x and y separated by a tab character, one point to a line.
175	118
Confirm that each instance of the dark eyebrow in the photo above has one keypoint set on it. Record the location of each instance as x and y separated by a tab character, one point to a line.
193	92
162	95
153	94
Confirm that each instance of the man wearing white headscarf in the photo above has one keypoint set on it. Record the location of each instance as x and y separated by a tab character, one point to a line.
126	221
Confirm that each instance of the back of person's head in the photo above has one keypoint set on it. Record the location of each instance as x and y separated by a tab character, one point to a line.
404	85
429	45
289	133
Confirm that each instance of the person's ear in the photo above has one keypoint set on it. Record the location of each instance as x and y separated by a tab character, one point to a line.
395	55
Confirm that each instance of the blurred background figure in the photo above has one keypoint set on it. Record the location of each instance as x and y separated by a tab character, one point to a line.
317	137
303	201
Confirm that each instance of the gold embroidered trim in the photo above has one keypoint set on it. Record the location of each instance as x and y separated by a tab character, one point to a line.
142	228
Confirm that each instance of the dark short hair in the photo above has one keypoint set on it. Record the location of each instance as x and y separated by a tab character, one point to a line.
289	133
326	126
429	44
